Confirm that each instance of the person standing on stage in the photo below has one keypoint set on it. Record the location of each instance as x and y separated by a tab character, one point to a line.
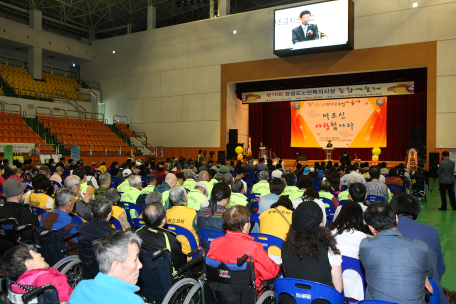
446	180
329	145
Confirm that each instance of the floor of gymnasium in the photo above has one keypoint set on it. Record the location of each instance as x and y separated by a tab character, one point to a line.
444	221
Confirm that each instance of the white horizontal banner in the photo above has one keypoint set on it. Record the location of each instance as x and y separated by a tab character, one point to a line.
18	148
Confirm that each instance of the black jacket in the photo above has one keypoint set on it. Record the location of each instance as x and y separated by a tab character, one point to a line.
154	239
23	217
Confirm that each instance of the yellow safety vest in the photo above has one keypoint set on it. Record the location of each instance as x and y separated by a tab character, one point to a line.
195	199
183	216
289	190
148	189
271	222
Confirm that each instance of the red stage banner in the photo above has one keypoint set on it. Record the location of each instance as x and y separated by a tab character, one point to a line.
348	123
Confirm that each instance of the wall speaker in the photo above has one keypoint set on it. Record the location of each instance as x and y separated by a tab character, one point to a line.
233	136
434	159
221	156
416	133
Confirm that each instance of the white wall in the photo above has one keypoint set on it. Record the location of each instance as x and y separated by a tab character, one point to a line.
167	80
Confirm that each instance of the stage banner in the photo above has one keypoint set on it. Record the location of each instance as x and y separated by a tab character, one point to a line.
19	148
348	123
355	91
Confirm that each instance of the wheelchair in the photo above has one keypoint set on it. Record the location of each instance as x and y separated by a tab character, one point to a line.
46	294
159	283
229	283
10	234
420	187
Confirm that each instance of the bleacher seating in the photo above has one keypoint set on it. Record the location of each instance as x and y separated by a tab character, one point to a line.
19	79
123	127
85	133
13	129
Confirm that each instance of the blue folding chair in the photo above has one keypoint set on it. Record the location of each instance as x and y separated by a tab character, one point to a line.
342	202
331	210
254	199
435	297
138	223
376	302
374	198
159	181
129	206
306	291
185	233
116	223
115	181
77	219
349	263
267	240
144	181
255	218
207	236
56	185
395	189
145	195
37	214
249	175
336	195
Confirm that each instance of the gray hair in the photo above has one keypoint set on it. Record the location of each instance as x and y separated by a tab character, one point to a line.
351	180
59	169
114	247
264	175
72	181
62	197
16	171
104	178
113	195
185	165
134	180
189	173
218	176
101	208
154	197
237	186
154	214
227	178
177	195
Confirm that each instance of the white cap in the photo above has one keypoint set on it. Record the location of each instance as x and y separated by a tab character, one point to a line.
202	185
126	172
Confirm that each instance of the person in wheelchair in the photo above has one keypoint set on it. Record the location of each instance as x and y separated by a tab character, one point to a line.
26	267
237	243
155	237
39	198
13	192
310	251
93	230
60	218
118	257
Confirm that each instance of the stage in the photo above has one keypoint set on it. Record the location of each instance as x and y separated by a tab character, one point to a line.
310	163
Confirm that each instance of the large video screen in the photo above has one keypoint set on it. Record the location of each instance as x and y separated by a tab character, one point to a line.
314	28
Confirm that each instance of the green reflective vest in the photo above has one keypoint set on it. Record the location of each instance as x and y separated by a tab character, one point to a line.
195	200
189	184
262	187
289	190
296	194
213	182
344	196
148	189
209	189
237	199
165	199
124	186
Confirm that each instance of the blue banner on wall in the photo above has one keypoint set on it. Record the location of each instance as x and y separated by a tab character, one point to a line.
76	153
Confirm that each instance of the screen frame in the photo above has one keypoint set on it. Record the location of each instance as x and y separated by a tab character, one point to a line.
332	48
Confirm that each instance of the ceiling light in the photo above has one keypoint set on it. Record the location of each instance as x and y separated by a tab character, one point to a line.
234	32
113	52
74	65
415	4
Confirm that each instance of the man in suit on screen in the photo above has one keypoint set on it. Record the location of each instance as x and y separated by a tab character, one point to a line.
305	31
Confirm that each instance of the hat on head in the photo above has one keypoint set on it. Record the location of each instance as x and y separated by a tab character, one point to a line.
306	170
202	185
307	217
13	187
126	172
312	169
138	164
320	173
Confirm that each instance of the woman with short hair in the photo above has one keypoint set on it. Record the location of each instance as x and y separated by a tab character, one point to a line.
26	267
39	198
238	242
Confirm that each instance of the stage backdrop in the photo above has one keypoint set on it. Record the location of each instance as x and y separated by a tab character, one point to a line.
348	123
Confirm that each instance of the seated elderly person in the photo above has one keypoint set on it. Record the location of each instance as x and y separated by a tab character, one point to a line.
238	242
181	215
57	176
82	206
26	267
60	218
93	230
262	187
133	194
155	237
196	198
17	174
290	180
276	187
118	259
237	194
117	212
39	198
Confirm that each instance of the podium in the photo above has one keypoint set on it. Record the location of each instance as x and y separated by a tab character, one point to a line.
262	153
328	153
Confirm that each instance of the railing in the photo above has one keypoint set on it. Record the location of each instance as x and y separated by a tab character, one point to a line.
27	90
56	90
73	103
90	84
83	111
12	104
140	135
38	150
126	119
4	60
89	95
46	67
98	114
72	111
8	62
114	119
54	69
46	108
58	109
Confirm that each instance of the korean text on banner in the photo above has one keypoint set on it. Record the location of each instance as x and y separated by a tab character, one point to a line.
8	152
76	153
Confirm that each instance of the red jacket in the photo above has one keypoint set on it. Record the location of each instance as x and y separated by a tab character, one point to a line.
40	277
234	245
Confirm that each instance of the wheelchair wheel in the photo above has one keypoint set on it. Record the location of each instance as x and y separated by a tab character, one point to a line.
63	262
195	295
179	291
73	271
266	298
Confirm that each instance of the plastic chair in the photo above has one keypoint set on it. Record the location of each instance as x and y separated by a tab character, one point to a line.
255	218
306	291
77	219
349	263
435	297
374	198
342	202
116	223
376	302
127	207
254	199
187	234
56	185
115	181
208	236
329	211
144	181
395	189
267	240
37	214
138	222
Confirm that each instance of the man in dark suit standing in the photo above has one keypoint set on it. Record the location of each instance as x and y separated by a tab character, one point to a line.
305	31
446	181
329	145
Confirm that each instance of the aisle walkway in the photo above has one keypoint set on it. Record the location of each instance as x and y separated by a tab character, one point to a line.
445	222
